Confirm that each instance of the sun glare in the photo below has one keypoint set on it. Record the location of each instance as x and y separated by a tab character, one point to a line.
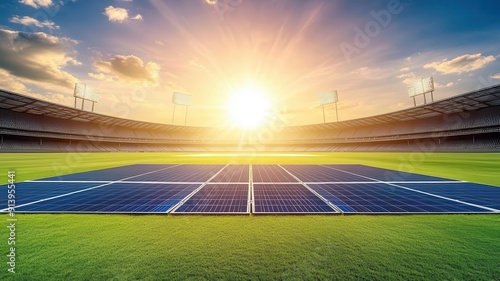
248	108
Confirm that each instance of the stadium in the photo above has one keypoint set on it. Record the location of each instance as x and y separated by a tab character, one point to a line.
466	122
182	140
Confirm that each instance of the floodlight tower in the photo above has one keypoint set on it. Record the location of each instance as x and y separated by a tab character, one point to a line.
181	99
329	98
84	92
419	87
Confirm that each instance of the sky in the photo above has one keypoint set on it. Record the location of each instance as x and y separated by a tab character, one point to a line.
137	53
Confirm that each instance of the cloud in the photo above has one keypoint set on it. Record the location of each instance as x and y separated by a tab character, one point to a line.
115	14
128	69
408	77
31	21
100	76
37	3
404	69
37	56
362	71
495	76
137	17
10	82
461	64
438	85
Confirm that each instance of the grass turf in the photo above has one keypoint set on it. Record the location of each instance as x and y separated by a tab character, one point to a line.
124	247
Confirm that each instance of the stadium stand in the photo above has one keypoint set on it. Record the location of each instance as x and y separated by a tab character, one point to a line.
468	122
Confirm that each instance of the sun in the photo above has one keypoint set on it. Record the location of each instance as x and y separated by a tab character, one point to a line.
248	108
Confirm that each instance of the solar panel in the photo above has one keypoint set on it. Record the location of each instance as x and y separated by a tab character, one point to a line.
383	174
214	189
270	173
480	194
27	192
317	173
218	199
233	173
117	198
287	198
111	174
384	198
182	173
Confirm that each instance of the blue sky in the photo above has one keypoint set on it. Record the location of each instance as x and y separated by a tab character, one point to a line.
138	52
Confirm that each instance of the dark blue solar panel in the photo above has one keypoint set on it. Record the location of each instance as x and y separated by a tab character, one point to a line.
218	198
111	174
183	173
287	198
484	195
383	198
233	173
384	174
118	198
270	173
317	173
27	192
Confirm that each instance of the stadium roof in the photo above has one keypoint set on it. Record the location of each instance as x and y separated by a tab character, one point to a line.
470	101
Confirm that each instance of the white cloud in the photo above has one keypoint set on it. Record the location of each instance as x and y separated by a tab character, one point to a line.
100	76
116	14
37	3
159	43
127	69
31	21
38	57
438	85
461	64
137	17
408	77
404	69
495	76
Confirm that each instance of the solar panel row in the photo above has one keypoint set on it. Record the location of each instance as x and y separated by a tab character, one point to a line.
272	189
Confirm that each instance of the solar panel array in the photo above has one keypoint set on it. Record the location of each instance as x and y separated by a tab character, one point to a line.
260	189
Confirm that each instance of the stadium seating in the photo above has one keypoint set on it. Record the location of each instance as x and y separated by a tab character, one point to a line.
24	128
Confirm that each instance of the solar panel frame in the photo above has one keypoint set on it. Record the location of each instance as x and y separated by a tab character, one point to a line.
111	174
208	203
319	173
116	198
271	174
183	173
382	198
319	207
228	175
484	195
211	176
381	174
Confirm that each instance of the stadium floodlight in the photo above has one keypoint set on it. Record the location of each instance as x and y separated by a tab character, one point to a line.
84	92
329	98
181	99
421	86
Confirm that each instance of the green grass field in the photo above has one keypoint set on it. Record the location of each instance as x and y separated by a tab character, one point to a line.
154	247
